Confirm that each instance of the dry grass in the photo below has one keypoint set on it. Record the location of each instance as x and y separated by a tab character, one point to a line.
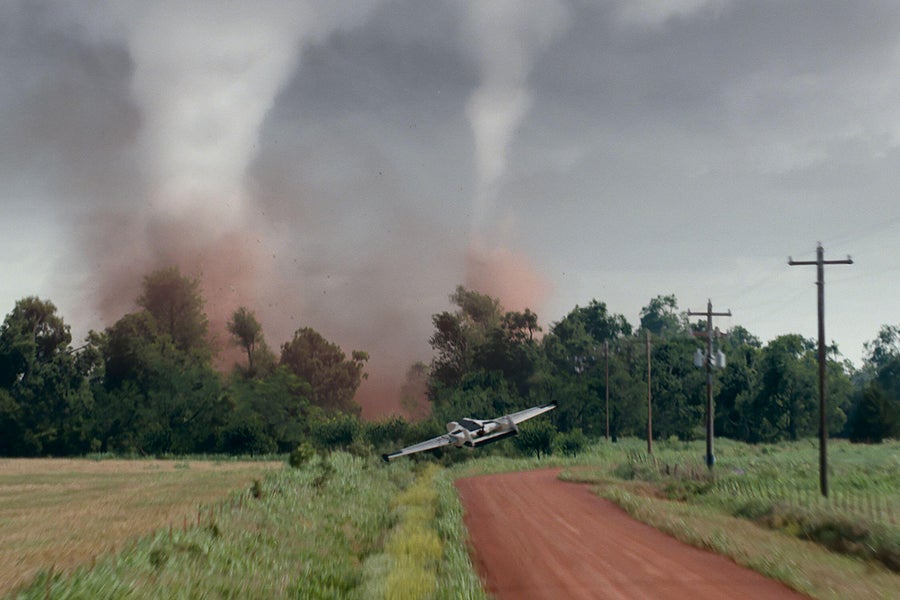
60	513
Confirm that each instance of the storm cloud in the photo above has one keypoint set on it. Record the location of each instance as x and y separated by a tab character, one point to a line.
344	165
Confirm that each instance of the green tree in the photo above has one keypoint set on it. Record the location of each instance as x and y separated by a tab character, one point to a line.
574	372
884	347
574	377
247	333
487	362
599	323
267	413
323	365
154	396
661	316
736	383
536	438
159	392
128	348
875	414
337	431
509	348
571	443
628	389
678	390
883	361
175	303
458	335
46	402
476	309
451	345
785	405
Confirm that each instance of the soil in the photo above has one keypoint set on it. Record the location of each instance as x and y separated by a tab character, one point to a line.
534	536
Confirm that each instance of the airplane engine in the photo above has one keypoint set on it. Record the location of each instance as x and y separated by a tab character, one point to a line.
452	426
469	443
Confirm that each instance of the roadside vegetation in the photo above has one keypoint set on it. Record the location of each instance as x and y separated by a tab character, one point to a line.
762	508
336	526
341	525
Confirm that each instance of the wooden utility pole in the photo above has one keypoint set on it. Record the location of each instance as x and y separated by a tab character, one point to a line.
820	263
649	403
710	408
606	355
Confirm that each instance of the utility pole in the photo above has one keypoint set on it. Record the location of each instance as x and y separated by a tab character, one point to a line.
710	409
606	355
649	404
820	263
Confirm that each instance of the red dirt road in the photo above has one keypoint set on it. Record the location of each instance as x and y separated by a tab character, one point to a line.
535	536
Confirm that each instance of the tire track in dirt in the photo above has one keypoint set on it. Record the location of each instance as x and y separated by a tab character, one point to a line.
534	536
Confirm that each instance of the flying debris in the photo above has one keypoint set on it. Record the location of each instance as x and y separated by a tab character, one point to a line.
475	432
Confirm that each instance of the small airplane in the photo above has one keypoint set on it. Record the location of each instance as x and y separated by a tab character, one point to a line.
470	433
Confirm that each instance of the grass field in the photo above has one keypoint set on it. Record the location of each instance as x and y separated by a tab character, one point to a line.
338	527
58	513
348	527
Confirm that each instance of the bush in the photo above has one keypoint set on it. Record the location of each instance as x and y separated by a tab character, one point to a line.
301	455
336	432
754	509
386	433
536	438
854	536
247	438
571	443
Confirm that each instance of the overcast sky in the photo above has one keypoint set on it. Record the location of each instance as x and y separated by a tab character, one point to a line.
345	164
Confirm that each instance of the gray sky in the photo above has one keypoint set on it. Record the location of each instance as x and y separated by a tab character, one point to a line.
345	164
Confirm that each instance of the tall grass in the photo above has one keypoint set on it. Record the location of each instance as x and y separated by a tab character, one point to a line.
457	579
776	487
299	533
339	526
414	546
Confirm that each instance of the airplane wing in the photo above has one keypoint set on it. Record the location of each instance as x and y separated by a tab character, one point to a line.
524	415
438	442
503	427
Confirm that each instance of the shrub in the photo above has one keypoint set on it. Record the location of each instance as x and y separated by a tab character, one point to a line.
388	432
247	438
753	509
571	443
336	432
301	455
854	536
536	438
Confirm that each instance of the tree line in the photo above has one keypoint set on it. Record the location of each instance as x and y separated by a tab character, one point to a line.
148	384
489	362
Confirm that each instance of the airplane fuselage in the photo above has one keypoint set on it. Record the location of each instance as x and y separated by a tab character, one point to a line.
469	432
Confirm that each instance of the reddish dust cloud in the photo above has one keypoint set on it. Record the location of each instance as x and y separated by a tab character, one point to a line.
239	268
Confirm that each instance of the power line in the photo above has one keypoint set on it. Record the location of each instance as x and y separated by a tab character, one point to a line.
882	226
